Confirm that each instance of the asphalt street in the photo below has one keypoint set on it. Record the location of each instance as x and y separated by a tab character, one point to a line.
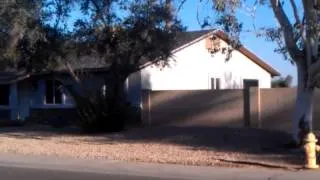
15	173
28	167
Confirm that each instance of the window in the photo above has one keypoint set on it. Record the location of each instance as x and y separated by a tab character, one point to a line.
250	83
4	94
54	93
215	83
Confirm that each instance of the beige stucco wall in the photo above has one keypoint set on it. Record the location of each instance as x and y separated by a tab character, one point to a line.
268	109
202	107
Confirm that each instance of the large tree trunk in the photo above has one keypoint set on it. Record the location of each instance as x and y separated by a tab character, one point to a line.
117	87
302	120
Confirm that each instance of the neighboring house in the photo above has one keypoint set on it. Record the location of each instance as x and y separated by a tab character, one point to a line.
43	96
193	66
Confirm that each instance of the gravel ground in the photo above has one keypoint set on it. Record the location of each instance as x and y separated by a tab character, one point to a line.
176	145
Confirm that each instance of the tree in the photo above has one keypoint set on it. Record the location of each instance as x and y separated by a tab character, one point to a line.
27	42
126	35
282	82
298	39
17	23
127	44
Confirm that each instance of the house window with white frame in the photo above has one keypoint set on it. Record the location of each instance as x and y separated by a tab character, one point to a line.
54	94
215	83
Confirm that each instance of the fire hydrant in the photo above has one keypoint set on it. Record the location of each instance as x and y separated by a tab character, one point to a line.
311	149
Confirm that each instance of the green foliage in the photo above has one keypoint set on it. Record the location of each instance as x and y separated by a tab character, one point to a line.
282	82
27	42
125	35
122	32
101	113
127	42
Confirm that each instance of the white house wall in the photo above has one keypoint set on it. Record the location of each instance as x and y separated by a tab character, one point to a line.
192	67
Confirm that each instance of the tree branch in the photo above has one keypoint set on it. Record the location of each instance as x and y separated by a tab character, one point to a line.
295	12
287	29
311	39
312	30
99	13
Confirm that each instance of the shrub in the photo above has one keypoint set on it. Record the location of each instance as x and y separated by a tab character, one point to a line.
101	113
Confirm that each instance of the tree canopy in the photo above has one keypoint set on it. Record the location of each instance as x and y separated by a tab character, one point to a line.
297	34
120	36
124	33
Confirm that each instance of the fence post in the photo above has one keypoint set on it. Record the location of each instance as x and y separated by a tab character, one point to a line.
246	107
149	107
146	107
255	107
259	108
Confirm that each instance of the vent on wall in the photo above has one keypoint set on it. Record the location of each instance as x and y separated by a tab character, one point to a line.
213	44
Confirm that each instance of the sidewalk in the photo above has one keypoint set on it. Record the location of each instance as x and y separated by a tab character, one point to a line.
150	170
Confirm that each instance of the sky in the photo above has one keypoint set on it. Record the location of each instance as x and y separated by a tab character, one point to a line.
263	18
261	47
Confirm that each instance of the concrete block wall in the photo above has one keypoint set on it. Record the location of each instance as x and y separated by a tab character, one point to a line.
257	108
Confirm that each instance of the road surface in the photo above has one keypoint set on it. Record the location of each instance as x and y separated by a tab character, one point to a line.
22	167
14	173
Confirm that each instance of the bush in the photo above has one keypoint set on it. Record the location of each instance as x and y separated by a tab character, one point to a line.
58	122
102	114
12	123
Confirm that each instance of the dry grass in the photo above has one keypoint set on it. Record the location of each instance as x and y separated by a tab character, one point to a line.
174	146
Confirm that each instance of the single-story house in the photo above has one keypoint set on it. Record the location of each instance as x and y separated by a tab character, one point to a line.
198	62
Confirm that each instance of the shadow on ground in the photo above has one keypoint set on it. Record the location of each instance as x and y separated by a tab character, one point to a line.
256	144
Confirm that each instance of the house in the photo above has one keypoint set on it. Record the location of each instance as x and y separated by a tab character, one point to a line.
198	62
42	96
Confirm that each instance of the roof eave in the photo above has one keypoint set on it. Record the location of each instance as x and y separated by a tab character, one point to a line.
273	72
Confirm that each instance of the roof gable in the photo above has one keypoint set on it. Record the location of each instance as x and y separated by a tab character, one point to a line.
186	39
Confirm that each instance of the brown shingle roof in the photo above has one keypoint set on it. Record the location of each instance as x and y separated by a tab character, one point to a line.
189	36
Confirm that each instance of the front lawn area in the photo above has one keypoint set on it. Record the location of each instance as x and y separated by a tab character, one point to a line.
206	146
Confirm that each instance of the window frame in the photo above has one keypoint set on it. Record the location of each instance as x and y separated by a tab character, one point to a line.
54	88
215	83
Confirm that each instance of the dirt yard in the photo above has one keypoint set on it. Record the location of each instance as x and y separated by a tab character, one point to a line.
177	145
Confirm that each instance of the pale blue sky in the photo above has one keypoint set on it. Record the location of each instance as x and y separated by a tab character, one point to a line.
262	48
259	46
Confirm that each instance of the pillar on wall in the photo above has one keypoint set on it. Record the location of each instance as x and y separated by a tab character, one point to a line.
255	107
41	93
146	107
252	107
13	101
